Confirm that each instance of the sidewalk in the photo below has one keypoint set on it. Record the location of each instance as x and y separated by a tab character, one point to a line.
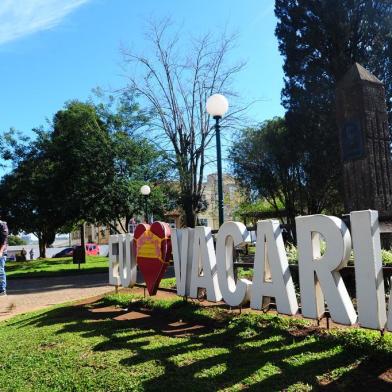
26	295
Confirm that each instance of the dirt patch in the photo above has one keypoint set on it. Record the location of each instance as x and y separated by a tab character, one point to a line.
303	332
137	316
103	309
134	315
6	307
386	376
181	329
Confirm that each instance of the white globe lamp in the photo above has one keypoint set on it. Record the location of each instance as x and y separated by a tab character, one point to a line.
217	105
145	190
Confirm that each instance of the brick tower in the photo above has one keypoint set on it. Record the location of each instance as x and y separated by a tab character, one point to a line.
365	142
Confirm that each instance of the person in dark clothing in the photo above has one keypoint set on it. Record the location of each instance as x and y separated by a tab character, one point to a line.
3	257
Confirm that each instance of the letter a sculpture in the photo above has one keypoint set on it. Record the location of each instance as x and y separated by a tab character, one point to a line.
153	251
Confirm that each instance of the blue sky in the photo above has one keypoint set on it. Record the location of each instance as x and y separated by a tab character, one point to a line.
52	51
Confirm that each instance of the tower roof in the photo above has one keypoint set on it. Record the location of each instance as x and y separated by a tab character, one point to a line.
358	73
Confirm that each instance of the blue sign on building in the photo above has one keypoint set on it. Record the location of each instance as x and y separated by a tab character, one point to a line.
353	146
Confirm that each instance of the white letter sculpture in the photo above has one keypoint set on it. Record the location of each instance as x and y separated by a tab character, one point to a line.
182	245
389	322
369	280
271	276
127	262
204	265
231	234
122	261
114	250
318	272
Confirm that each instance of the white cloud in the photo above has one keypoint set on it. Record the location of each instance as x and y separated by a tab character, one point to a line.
19	18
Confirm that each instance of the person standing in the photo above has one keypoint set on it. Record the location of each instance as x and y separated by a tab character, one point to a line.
3	252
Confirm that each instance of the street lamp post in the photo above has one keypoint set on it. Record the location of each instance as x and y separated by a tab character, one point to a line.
145	190
217	105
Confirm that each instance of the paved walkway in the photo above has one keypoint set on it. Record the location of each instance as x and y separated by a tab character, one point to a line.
26	295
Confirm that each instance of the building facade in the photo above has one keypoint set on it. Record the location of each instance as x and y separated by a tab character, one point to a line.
231	199
98	234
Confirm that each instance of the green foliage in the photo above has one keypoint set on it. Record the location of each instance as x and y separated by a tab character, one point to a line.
360	340
81	152
168	283
15	240
124	300
88	167
136	162
292	254
264	163
23	191
386	257
245	273
121	113
60	177
258	206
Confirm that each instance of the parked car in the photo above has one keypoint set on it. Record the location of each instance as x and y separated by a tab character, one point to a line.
67	252
92	249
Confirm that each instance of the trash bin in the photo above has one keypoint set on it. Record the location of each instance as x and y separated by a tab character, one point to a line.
78	256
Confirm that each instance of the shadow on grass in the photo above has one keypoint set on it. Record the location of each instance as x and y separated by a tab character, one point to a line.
205	354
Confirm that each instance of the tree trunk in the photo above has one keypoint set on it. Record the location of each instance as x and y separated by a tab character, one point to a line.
82	243
291	225
42	247
190	215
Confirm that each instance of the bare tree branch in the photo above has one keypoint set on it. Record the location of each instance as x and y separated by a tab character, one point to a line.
176	87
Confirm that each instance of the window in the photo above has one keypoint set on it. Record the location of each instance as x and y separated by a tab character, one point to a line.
203	222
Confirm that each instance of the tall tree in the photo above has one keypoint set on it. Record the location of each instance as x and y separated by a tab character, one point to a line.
81	152
136	161
264	163
88	167
320	40
176	86
62	177
26	193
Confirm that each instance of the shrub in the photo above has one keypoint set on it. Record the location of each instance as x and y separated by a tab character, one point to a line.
386	257
292	255
15	240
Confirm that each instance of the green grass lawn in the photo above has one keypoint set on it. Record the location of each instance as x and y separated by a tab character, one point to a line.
168	283
64	266
174	345
55	267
